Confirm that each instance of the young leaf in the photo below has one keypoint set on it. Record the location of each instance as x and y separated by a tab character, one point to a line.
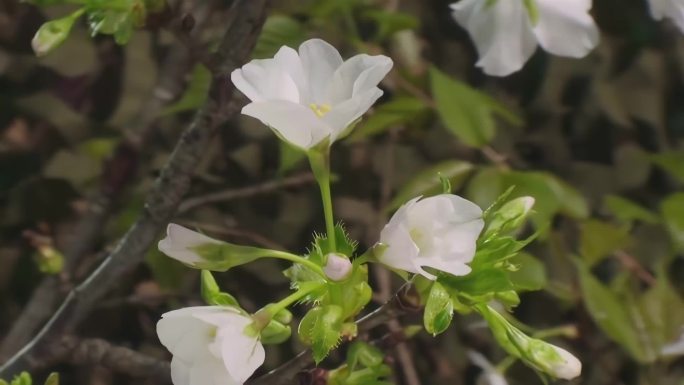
278	30
672	162
326	331
599	239
399	111
195	94
53	33
627	211
52	379
439	310
672	210
530	275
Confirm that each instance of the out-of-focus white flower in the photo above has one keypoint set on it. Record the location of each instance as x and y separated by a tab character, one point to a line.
675	348
311	95
338	267
438	232
181	244
489	376
506	35
210	345
671	9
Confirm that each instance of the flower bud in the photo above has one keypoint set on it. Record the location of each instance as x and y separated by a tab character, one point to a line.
568	367
53	33
338	267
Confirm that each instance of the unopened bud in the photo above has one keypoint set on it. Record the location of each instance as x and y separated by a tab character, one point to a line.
338	267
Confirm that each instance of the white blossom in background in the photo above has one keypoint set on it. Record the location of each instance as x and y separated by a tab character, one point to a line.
489	376
180	243
439	232
506	35
311	95
210	345
671	9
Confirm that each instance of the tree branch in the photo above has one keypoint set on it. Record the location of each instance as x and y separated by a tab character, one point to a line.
173	182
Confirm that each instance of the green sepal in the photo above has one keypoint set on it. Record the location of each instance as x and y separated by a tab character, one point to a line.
438	311
52	379
275	333
321	327
223	256
212	294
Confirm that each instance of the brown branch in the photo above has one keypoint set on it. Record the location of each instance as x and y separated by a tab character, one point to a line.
632	264
230	194
403	301
173	182
94	351
119	171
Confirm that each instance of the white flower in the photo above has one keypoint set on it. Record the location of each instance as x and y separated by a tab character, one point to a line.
506	36
672	9
490	375
438	232
312	94
338	267
675	348
180	244
567	368
210	346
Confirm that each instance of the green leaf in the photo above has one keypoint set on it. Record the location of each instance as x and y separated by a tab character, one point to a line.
479	282
195	94
663	310
52	379
530	275
278	31
466	112
399	111
389	23
599	239
322	328
672	162
672	210
361	353
53	33
609	312
428	182
439	310
627	211
24	378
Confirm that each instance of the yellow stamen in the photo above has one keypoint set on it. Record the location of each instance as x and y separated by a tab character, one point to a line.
320	109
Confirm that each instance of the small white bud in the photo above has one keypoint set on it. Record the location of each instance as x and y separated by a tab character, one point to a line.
338	267
568	367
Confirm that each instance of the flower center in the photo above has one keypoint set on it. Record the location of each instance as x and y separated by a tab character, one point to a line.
320	109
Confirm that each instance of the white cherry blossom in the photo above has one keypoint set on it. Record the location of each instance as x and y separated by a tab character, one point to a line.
671	9
506	36
309	95
439	232
210	345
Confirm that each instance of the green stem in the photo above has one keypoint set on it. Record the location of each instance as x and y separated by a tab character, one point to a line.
284	303
297	259
320	165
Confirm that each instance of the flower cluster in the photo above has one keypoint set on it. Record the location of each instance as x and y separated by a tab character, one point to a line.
310	98
506	32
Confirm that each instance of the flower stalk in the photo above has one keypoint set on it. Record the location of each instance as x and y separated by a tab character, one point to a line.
320	165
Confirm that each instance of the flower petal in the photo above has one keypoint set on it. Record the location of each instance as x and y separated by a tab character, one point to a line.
266	79
357	75
448	266
319	60
186	336
288	60
293	122
502	33
344	114
241	354
565	27
179	242
180	371
463	209
401	250
210	372
672	9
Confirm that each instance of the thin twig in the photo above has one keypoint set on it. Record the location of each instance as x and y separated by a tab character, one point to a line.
95	351
631	264
230	194
173	182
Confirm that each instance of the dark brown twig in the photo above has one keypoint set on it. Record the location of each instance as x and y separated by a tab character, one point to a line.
173	182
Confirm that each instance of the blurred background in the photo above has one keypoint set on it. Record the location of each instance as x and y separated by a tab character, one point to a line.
599	142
